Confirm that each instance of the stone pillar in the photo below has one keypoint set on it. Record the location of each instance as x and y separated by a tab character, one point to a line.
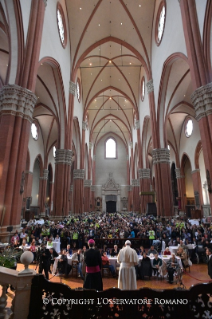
51	196
42	192
87	194
144	175
130	197
92	198
16	109
63	161
161	160
197	185
28	184
181	190
202	101
78	195
104	206
136	202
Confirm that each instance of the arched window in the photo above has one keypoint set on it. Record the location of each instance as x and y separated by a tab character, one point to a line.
110	148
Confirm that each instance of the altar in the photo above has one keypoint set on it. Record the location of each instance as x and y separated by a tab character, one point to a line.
111	195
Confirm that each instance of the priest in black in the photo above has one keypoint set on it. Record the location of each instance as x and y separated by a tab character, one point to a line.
93	262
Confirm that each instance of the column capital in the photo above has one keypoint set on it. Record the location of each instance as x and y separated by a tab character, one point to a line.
90	145
45	2
93	188
63	156
150	86
28	172
79	173
195	171
87	183
178	173
135	183
131	144
17	101
72	88
144	173
45	174
202	101
161	155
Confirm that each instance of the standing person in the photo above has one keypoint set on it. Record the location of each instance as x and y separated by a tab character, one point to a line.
93	262
209	261
79	258
128	259
44	261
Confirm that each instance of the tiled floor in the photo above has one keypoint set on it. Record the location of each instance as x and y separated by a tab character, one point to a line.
197	275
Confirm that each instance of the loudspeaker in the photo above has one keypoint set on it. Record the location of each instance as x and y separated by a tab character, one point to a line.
10	228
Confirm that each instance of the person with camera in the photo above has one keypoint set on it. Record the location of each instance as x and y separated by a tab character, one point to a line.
44	257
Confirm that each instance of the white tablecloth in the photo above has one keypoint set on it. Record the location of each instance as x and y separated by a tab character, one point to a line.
113	260
194	221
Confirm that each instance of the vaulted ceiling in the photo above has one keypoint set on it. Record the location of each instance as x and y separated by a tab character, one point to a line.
110	43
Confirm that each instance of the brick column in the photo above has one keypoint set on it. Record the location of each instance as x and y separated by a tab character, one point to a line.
197	188
161	160
78	195
28	184
144	175
16	109
71	198
42	192
92	198
136	201
130	198
87	194
181	190
202	101
63	161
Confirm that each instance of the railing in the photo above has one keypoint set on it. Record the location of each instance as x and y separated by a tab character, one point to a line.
58	301
21	281
110	242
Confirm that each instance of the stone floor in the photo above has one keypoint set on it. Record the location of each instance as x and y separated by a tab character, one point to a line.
197	275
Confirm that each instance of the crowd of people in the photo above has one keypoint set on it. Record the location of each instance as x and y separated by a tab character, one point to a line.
148	236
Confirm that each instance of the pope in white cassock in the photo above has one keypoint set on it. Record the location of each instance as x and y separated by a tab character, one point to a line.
128	259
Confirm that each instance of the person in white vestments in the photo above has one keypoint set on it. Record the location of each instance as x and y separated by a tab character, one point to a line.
128	259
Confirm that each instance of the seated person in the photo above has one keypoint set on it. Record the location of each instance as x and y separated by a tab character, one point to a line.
54	255
50	243
177	242
157	263
69	250
33	249
183	256
63	266
106	264
115	251
146	267
167	251
24	245
15	241
79	258
172	266
152	250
